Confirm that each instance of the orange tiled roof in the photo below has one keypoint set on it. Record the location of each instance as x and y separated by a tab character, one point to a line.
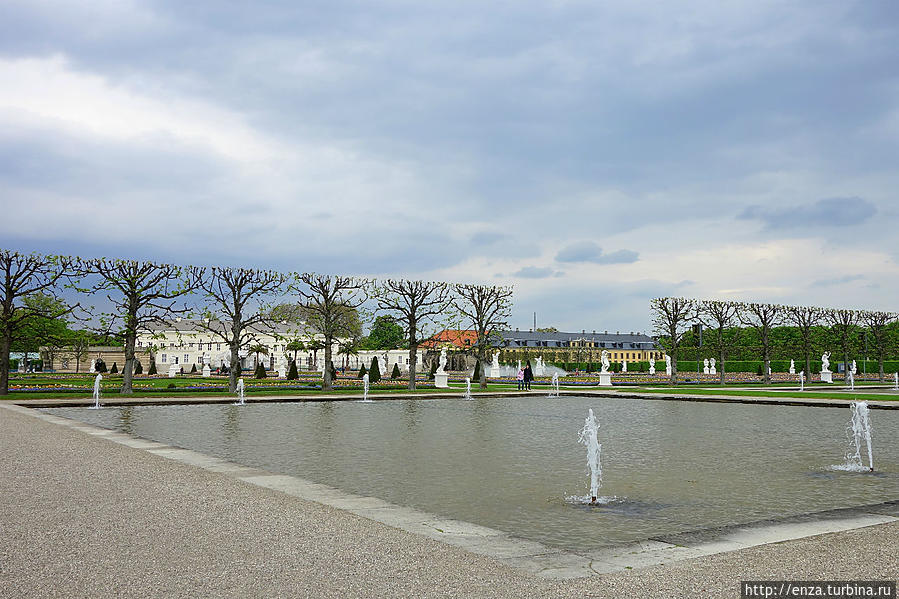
457	338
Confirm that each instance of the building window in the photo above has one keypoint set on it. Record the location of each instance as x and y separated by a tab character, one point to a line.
163	358
210	346
186	358
162	345
218	347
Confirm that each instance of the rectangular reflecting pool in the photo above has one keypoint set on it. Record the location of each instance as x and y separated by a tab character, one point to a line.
515	464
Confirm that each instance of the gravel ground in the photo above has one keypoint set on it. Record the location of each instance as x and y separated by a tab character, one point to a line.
83	517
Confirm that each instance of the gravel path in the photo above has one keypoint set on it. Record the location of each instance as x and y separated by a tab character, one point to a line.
83	517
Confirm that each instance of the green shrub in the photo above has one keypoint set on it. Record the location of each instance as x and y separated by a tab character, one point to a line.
100	366
374	371
433	370
292	374
114	369
476	375
152	370
171	386
362	371
193	369
396	372
138	367
260	371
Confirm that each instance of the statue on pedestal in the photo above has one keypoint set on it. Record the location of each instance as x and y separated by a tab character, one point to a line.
605	361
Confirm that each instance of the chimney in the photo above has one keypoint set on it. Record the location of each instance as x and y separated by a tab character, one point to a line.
583	331
594	331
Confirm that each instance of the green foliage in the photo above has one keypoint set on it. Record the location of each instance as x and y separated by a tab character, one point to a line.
101	365
152	370
385	333
759	370
114	369
374	371
362	371
138	367
292	373
396	372
260	371
193	369
333	371
433	370
476	376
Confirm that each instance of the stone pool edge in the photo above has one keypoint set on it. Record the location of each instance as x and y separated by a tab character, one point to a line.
530	556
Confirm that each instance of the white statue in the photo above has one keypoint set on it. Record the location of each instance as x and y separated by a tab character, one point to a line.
605	361
825	362
495	363
667	365
854	368
712	369
442	364
93	366
540	367
705	366
623	366
652	366
792	367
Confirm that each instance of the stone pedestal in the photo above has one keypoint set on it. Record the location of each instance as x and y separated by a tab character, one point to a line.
494	373
173	371
440	380
206	371
827	377
605	379
282	372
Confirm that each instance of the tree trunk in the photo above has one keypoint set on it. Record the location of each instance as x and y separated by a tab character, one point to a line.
482	356
5	344
128	368
808	366
721	362
880	365
413	363
326	380
673	379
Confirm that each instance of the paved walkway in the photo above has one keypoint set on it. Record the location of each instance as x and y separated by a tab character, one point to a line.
83	517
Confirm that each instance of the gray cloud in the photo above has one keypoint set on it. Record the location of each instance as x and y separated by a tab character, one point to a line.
837	281
829	212
535	272
587	251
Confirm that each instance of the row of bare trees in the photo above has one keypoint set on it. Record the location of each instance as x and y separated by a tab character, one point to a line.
236	302
673	316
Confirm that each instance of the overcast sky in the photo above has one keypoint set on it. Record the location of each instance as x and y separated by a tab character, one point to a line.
593	154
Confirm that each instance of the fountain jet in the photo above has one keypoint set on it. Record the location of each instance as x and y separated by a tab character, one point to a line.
859	434
240	393
97	380
588	436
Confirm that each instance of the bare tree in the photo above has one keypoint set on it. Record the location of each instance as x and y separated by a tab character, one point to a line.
487	308
235	307
329	304
414	304
805	318
720	316
670	317
763	318
877	322
843	323
144	293
21	276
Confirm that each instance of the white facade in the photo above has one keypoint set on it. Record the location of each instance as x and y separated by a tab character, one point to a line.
186	343
385	356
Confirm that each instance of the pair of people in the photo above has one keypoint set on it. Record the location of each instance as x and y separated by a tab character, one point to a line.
525	376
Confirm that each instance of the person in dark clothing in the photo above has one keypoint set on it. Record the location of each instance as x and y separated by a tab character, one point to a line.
528	376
